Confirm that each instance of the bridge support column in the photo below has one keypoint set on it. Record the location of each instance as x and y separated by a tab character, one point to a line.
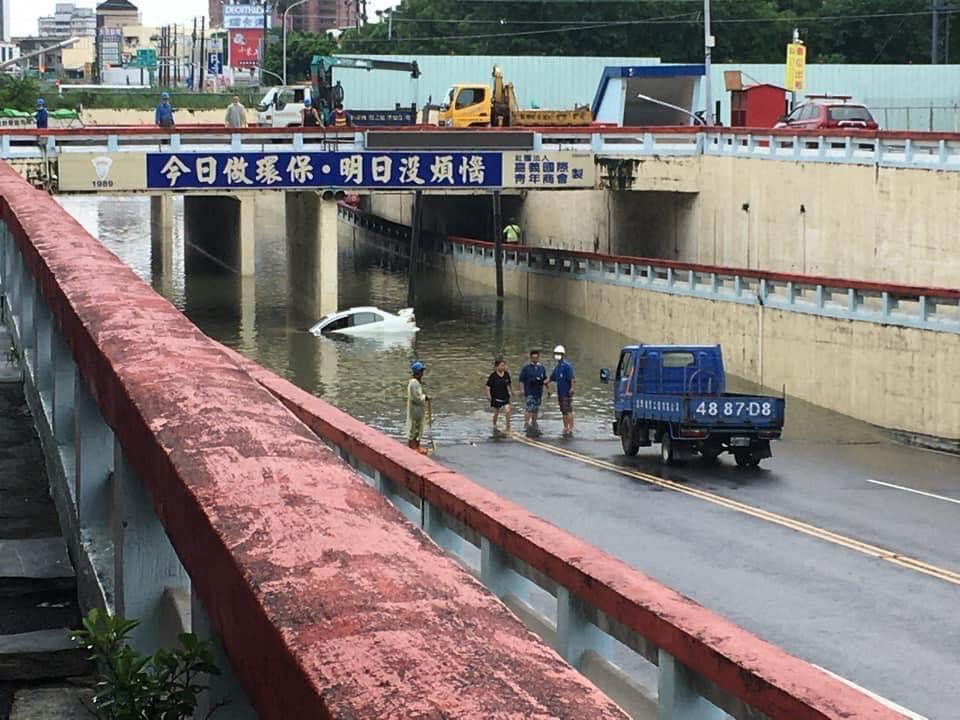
145	564
161	234
220	229
312	252
676	695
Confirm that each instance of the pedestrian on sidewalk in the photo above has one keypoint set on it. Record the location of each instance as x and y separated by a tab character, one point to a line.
417	400
565	379
236	114
533	377
498	393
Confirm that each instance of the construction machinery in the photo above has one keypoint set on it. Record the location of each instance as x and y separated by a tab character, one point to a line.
281	106
470	105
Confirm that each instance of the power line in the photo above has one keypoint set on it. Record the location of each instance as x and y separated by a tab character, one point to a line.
667	20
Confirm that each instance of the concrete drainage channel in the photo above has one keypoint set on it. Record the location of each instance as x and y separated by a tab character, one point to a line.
39	665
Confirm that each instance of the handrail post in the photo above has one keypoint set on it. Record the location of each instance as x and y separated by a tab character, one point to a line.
94	466
145	563
575	633
677	698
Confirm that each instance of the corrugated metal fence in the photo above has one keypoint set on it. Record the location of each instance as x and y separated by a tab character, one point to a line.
903	97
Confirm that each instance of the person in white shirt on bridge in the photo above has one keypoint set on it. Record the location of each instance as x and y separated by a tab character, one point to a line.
236	114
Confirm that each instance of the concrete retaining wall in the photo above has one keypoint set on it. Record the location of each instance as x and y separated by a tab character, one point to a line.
898	378
855	221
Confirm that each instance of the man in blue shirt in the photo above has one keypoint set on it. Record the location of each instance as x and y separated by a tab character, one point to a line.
565	379
163	117
42	116
533	377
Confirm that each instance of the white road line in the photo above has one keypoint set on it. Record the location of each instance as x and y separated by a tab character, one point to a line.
912	490
879	698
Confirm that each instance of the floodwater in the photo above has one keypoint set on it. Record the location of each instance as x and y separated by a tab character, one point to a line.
461	333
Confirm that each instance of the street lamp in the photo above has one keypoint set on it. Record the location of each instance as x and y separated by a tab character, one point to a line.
665	104
289	8
389	13
268	72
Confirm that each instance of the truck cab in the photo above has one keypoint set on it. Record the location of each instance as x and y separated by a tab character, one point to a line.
675	395
466	106
282	105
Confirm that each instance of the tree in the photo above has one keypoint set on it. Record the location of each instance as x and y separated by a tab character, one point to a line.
301	47
853	31
18	93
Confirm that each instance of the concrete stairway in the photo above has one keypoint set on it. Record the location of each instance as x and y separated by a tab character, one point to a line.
38	602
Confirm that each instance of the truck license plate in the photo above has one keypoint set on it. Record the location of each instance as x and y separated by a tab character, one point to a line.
740	442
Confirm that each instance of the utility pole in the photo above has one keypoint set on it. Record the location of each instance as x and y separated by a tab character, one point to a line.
176	55
203	50
263	47
708	43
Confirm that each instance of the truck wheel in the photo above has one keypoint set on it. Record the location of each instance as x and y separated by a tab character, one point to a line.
746	460
628	437
666	448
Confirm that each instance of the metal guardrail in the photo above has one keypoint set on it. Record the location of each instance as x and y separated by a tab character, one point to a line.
936	151
936	309
707	668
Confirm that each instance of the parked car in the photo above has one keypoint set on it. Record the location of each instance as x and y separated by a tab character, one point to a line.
367	321
827	113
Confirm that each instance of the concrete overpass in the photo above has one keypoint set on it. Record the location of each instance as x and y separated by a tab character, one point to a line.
184	476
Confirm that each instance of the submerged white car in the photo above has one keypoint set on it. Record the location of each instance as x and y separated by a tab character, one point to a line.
367	321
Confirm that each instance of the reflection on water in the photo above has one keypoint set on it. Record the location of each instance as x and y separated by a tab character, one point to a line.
462	332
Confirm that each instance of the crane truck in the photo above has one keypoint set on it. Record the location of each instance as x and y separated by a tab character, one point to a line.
468	105
281	106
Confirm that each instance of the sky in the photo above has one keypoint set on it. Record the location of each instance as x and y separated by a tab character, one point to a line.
24	13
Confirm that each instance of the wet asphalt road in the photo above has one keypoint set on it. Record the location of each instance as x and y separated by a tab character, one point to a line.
892	630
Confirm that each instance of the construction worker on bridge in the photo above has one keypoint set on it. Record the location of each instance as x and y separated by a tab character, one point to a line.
309	116
339	118
42	116
511	232
417	401
163	117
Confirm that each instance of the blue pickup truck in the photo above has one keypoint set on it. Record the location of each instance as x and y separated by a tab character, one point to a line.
675	395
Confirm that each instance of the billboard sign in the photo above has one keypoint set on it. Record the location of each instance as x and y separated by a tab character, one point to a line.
245	48
244	17
796	66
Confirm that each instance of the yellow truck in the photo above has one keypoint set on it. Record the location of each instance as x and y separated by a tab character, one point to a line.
469	105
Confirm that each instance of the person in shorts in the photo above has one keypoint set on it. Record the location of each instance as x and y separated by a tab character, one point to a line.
533	377
498	393
566	382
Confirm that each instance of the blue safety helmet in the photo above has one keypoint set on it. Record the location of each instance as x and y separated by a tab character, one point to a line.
40	102
164	96
417	367
307	102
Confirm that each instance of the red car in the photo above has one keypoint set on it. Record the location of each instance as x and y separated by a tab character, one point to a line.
829	113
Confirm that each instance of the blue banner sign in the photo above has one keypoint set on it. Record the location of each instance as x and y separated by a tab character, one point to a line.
196	171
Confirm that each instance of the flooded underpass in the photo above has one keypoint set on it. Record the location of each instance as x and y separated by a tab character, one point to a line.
785	551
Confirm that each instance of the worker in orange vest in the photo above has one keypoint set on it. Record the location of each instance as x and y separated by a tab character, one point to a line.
339	118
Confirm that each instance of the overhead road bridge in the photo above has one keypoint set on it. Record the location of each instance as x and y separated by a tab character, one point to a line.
193	484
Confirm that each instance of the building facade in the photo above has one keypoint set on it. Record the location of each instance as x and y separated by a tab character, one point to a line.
117	14
318	16
68	20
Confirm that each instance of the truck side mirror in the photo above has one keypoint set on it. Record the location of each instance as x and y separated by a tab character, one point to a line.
604	375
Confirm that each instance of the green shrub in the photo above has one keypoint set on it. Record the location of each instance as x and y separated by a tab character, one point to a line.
130	686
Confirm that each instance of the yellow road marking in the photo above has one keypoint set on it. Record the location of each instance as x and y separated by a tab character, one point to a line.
807	529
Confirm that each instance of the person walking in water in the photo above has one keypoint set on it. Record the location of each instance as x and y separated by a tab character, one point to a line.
533	377
511	232
309	116
163	117
417	400
498	393
236	114
565	379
